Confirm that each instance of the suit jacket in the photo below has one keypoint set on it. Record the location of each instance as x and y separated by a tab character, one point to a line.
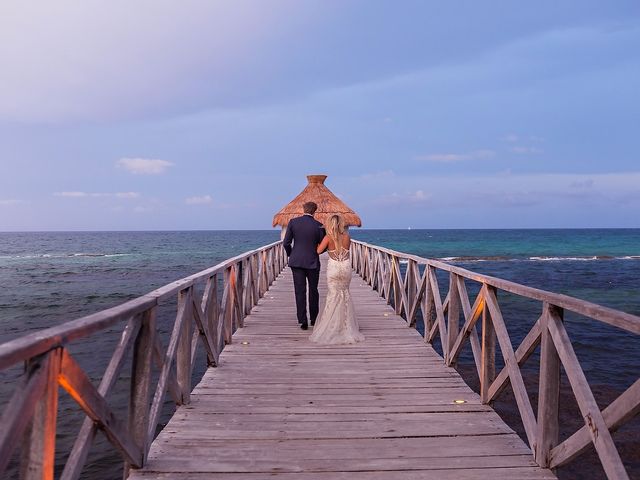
306	233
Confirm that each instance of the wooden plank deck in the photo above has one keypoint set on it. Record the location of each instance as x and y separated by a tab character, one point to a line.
282	407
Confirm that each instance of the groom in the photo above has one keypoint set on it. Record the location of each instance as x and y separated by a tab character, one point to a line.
306	233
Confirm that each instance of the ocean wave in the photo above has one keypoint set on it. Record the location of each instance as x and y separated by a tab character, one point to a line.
471	259
65	255
493	258
573	259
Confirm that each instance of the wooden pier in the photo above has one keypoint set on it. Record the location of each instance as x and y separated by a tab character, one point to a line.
272	404
280	406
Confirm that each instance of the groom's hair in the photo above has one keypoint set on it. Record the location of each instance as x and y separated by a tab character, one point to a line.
310	207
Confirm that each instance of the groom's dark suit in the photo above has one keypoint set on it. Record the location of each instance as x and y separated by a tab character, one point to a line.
306	233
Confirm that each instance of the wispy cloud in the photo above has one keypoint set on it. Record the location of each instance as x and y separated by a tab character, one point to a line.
583	184
520	150
199	200
510	138
411	198
97	194
456	157
378	175
144	166
10	201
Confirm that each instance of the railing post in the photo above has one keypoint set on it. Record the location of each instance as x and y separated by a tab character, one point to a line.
264	280
38	455
255	274
488	365
428	306
240	292
141	369
453	317
412	287
549	389
247	298
227	307
395	275
210	308
183	355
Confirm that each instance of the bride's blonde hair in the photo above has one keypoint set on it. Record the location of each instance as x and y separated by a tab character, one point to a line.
335	229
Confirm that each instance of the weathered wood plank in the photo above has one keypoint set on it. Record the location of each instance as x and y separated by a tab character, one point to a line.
385	406
73	379
80	450
597	427
38	453
548	392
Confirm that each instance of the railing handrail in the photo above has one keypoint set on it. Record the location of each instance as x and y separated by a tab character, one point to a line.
617	318
206	318
419	292
36	343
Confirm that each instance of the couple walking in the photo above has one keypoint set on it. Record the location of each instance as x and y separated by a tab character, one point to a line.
337	324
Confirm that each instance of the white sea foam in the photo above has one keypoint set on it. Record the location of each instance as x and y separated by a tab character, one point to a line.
65	255
563	259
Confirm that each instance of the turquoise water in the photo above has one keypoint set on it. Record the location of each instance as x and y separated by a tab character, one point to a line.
49	278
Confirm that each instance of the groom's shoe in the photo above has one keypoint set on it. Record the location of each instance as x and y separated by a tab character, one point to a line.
313	322
304	326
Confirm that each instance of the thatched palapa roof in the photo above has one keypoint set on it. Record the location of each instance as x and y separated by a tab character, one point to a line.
328	204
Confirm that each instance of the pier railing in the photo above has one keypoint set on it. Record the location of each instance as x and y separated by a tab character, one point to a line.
230	290
455	320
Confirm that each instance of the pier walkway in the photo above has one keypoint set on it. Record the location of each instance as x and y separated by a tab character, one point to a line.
279	406
272	404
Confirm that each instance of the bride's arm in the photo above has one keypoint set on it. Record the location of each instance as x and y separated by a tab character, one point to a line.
322	246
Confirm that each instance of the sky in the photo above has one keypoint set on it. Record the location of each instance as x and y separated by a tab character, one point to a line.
158	115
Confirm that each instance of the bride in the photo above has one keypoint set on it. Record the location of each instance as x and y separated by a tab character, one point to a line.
337	324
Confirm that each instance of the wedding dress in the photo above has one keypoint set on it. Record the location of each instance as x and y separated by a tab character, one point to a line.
337	324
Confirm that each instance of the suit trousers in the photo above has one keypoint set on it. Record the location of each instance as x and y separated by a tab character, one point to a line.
300	278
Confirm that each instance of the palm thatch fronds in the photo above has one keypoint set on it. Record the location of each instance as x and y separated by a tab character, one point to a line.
328	204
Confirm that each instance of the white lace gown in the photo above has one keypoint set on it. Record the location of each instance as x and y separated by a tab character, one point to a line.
337	324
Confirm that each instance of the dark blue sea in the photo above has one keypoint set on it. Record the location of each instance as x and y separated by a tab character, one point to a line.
49	278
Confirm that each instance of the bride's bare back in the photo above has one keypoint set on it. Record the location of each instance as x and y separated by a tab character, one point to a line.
336	252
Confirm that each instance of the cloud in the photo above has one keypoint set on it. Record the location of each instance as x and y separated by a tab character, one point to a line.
511	138
456	157
10	201
203	47
71	194
143	209
127	195
583	184
520	150
199	200
412	198
385	174
97	194
144	166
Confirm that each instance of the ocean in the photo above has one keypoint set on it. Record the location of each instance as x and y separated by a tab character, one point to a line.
51	277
